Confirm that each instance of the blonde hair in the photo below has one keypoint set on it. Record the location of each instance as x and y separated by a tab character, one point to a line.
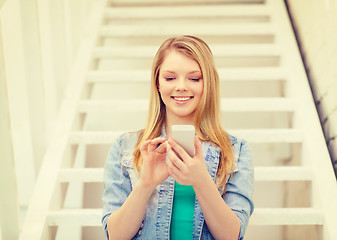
207	120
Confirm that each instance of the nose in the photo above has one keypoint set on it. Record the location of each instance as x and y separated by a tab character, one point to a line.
181	85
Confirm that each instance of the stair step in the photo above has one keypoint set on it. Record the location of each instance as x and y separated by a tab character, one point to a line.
186	12
225	74
81	175
250	135
182	2
227	105
261	174
269	135
197	30
287	216
238	50
283	174
75	217
261	216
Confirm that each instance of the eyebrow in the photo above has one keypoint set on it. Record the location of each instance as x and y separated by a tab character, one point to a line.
168	71
188	73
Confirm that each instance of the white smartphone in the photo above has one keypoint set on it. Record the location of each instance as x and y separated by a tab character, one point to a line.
184	136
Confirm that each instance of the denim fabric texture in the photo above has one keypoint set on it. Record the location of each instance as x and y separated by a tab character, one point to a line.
120	177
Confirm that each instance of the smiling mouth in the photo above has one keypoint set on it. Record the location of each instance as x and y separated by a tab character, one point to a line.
181	98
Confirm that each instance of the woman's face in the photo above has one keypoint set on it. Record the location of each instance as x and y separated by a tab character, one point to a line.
181	87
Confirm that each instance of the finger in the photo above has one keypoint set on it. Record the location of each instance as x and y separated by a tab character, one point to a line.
144	146
171	154
176	175
182	153
154	143
173	170
158	140
162	148
174	159
197	146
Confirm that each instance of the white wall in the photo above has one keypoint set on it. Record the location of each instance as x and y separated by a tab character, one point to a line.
316	26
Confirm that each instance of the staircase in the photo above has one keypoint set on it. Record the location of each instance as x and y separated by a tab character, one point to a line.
265	100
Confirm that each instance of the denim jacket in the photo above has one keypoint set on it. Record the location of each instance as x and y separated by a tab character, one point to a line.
120	177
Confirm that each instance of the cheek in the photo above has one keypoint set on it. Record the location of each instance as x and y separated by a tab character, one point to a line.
164	87
200	90
162	92
160	85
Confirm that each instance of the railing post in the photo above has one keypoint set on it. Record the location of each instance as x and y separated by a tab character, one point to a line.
16	85
9	209
69	38
47	62
35	85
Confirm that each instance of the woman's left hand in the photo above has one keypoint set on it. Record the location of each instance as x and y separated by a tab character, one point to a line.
186	170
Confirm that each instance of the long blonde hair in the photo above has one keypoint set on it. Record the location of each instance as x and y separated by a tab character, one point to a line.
207	119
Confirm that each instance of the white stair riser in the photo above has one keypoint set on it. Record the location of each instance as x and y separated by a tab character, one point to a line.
261	174
210	39
225	74
253	136
262	29
186	12
227	105
297	216
220	62
238	50
152	3
102	120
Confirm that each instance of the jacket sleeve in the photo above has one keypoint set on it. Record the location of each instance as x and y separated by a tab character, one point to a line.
240	186
117	184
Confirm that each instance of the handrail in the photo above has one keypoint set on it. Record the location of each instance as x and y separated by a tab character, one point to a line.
315	152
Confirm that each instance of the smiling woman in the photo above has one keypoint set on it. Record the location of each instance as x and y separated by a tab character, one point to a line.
180	85
153	188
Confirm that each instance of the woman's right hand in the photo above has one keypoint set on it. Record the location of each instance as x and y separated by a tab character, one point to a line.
124	223
154	168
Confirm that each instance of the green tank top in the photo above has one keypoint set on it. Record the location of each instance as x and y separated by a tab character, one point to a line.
182	212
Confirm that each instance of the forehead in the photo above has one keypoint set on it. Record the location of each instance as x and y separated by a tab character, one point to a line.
179	61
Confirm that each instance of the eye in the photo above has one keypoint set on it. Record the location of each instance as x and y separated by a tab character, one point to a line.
169	78
195	79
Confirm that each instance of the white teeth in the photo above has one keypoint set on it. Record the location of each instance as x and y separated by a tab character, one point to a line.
181	98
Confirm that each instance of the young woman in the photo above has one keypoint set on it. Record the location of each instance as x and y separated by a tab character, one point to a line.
150	192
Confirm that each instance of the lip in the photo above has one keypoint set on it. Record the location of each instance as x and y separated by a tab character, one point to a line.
181	99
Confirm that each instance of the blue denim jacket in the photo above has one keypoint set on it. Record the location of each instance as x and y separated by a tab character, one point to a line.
120	177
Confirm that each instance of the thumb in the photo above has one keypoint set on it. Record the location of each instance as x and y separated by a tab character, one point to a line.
197	146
